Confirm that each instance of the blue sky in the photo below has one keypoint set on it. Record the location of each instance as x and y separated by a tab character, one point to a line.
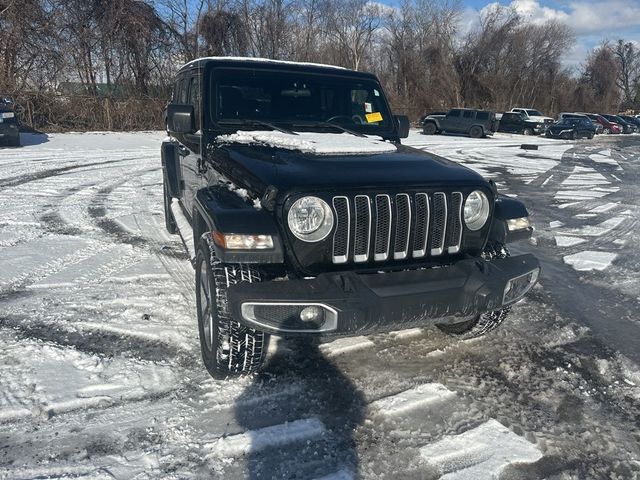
592	20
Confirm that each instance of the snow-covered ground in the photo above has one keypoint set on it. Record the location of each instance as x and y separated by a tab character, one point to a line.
100	367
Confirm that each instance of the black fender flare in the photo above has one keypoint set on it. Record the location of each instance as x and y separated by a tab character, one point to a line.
507	208
170	155
226	211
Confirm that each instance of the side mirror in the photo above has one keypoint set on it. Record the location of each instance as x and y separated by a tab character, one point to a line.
402	122
180	118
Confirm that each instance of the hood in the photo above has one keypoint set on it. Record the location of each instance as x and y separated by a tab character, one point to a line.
560	128
540	119
257	166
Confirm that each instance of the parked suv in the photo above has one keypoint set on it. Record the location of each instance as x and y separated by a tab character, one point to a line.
304	215
9	132
572	128
625	126
512	122
476	123
607	126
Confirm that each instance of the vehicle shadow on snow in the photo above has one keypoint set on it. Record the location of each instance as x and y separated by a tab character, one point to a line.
28	139
326	394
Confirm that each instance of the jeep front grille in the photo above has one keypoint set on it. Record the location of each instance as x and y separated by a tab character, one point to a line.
383	227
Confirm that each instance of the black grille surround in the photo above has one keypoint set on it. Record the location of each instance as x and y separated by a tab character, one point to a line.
395	229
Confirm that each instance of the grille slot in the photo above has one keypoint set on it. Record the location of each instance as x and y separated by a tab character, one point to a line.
383	227
421	227
454	233
403	225
343	227
439	219
362	229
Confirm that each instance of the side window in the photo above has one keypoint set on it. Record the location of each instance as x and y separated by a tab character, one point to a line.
183	90
194	98
455	112
468	114
485	116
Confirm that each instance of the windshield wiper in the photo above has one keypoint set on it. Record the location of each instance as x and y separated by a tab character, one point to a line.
331	124
255	123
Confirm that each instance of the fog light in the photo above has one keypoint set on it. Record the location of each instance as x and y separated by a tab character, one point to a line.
521	223
311	314
517	287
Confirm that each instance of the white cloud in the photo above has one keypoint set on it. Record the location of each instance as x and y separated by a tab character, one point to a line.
591	20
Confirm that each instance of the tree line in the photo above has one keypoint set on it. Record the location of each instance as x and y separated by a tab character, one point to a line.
108	64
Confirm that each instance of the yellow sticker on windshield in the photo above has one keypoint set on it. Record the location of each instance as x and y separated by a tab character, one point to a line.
374	117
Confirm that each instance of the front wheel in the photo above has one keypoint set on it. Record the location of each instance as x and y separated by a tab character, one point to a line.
485	322
528	131
430	128
228	347
606	131
476	132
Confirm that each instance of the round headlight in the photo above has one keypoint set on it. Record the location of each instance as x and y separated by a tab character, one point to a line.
310	219
476	210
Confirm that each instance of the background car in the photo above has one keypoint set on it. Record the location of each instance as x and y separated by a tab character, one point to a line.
572	129
533	115
607	126
626	126
582	116
9	132
632	120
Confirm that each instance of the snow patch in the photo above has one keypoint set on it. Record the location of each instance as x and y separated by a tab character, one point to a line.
273	436
590	260
311	142
421	396
568	241
345	345
482	452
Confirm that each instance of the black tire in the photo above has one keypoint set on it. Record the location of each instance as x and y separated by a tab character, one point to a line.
429	128
228	347
14	141
169	221
476	132
528	131
591	135
486	322
574	135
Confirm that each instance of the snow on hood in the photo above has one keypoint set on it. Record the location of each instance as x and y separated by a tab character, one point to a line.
312	142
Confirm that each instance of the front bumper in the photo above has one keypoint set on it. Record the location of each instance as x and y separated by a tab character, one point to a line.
365	303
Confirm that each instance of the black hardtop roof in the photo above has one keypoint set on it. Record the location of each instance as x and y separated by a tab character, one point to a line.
268	64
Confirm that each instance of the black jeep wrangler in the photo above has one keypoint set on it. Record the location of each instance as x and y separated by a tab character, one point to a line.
304	214
9	132
475	123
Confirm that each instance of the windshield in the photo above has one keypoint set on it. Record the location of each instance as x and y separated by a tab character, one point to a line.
568	121
299	101
534	113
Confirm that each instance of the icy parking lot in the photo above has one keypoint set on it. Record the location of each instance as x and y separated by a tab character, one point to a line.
100	370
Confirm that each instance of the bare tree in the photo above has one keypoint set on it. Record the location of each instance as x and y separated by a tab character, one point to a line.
628	58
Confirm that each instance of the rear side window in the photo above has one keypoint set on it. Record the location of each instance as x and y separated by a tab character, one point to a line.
468	114
182	91
482	116
455	112
194	98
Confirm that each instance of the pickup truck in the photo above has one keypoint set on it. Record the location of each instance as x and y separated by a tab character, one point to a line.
533	115
475	123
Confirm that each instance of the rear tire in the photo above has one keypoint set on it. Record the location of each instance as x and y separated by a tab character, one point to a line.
228	347
476	132
606	131
169	221
486	322
429	128
591	135
574	135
